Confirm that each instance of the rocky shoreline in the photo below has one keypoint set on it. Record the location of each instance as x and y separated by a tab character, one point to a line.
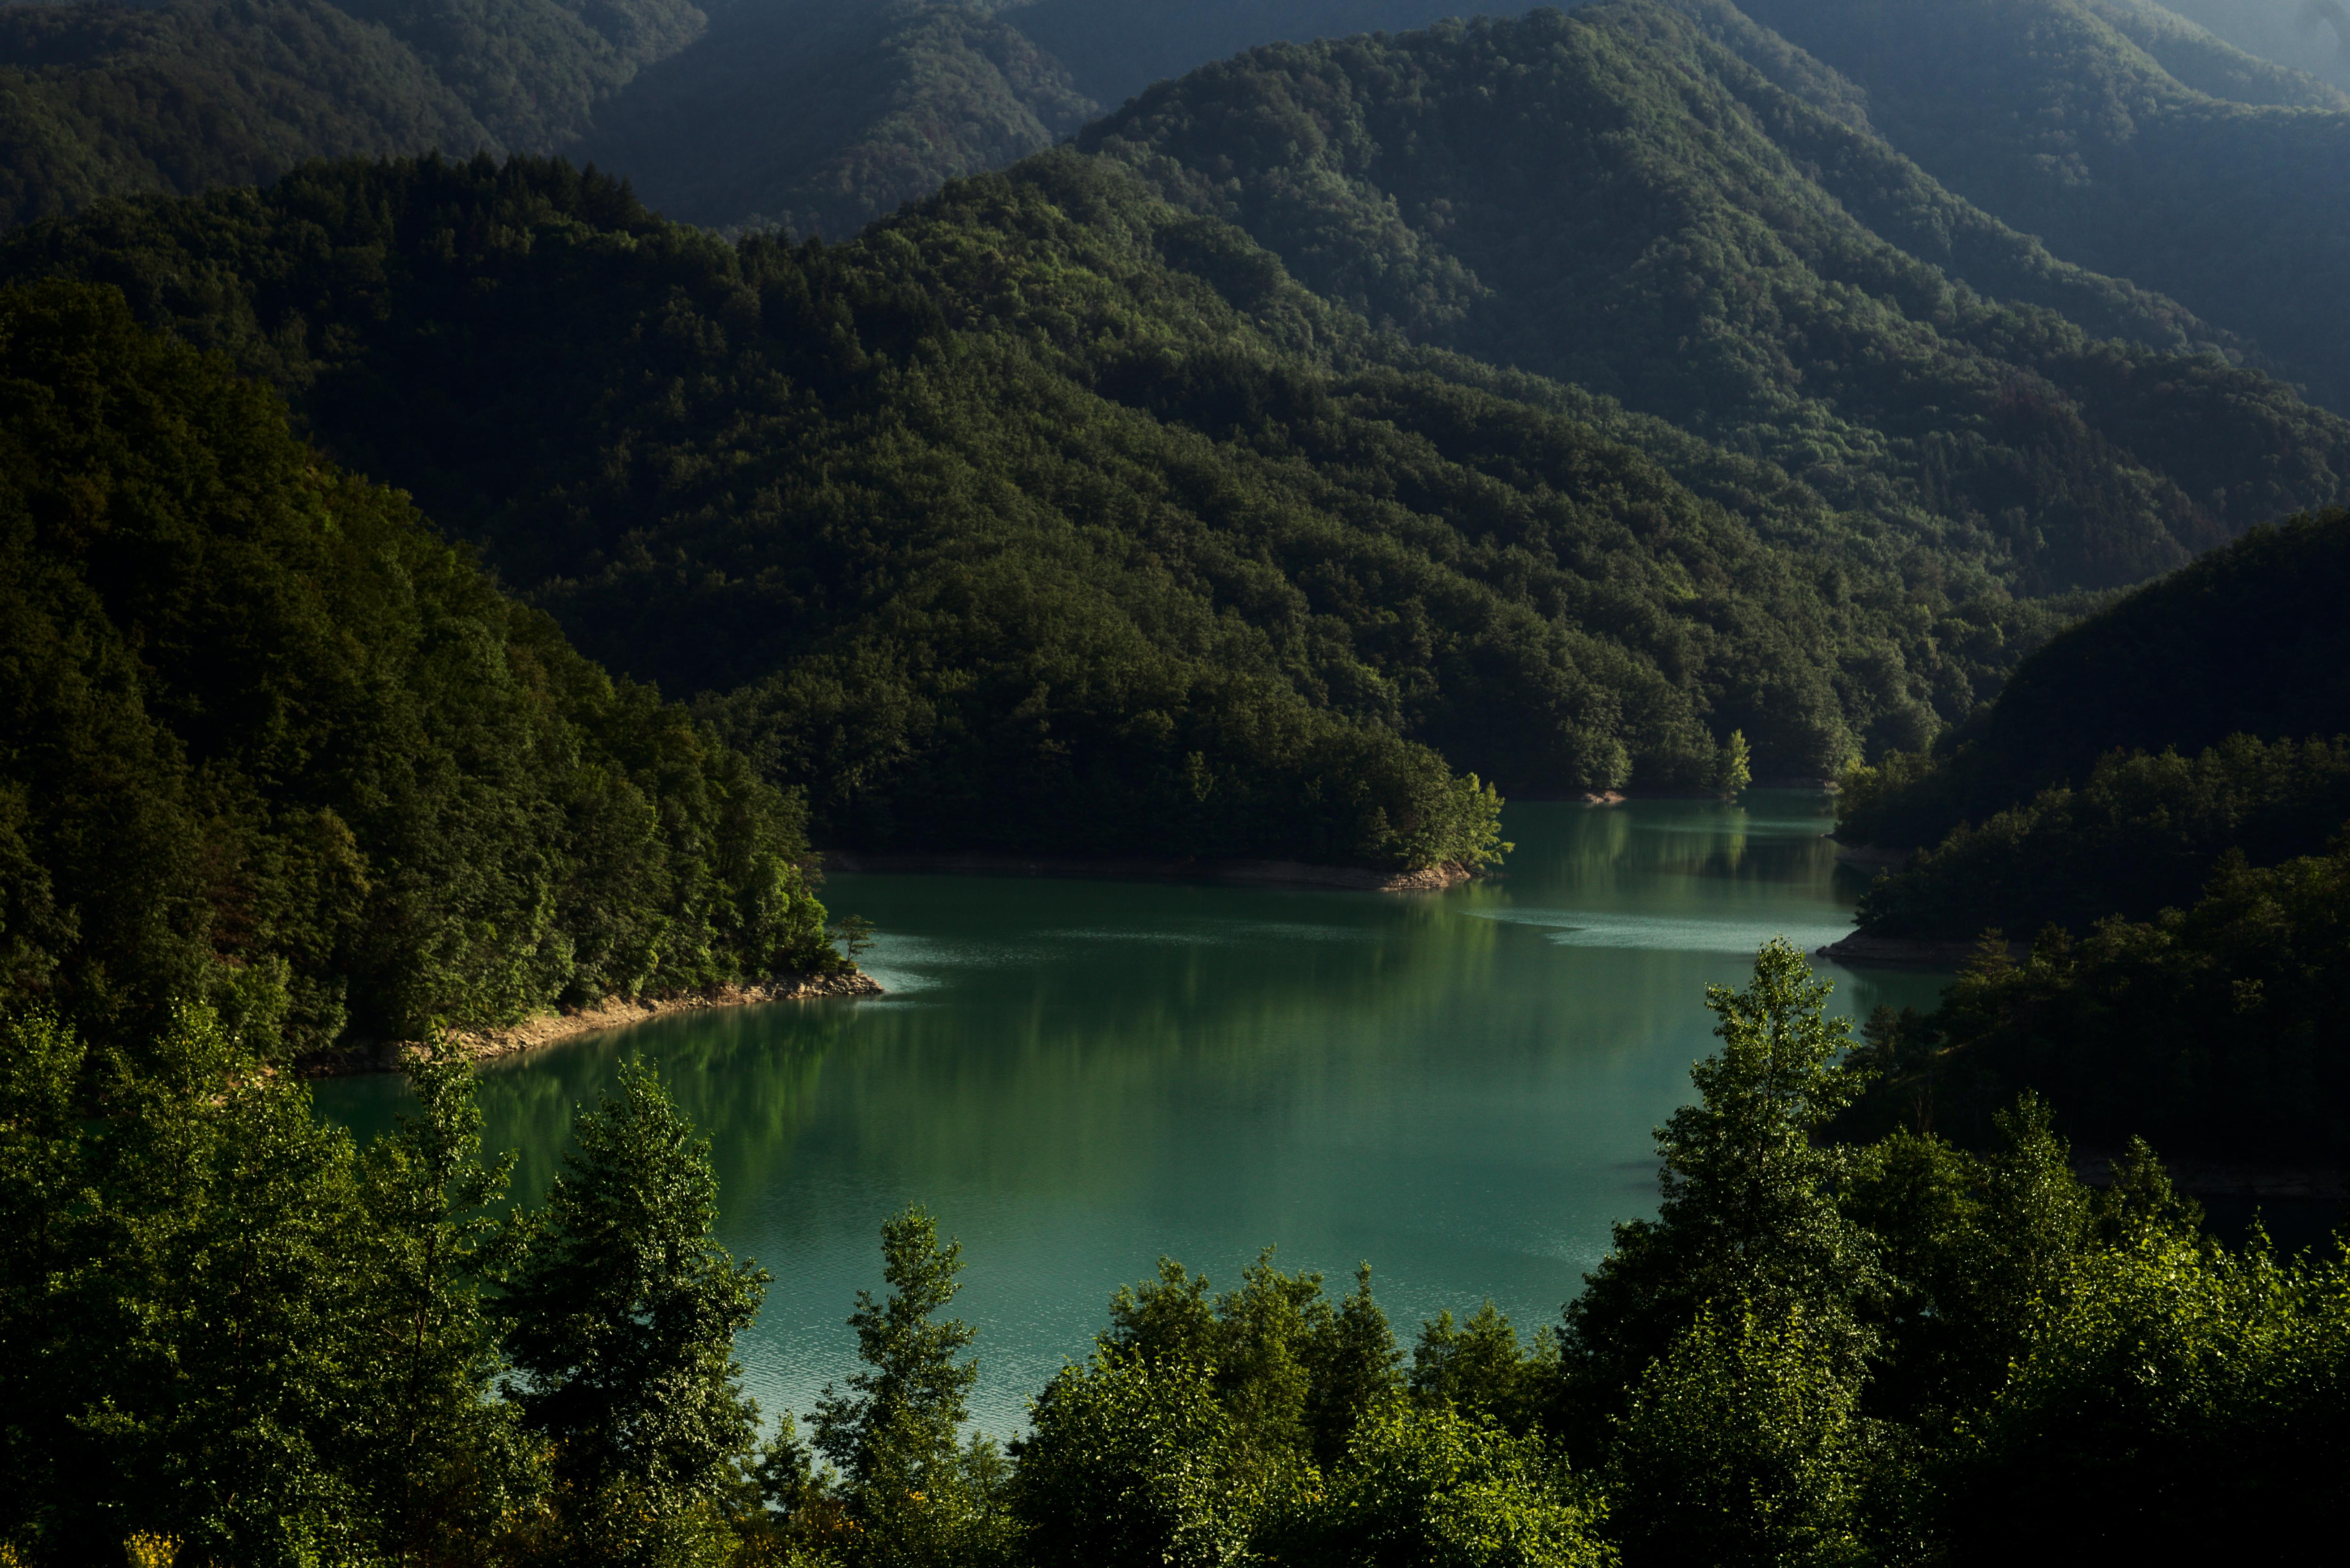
1252	872
613	1012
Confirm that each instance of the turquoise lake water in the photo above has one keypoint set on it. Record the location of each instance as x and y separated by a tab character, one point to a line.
1078	1077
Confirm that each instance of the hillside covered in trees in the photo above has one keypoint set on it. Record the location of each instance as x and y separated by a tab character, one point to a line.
1049	515
271	743
1615	199
105	100
2162	794
2066	119
2245	643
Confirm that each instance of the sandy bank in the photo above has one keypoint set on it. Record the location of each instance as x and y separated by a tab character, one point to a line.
612	1013
1257	873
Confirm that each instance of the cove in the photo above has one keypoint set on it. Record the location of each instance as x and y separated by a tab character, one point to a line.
1077	1076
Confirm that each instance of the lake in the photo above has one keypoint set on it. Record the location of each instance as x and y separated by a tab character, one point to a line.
1079	1076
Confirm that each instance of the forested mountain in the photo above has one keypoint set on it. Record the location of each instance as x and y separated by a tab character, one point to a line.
1614	198
815	115
267	738
2199	726
1046	515
2052	116
819	116
99	99
2247	641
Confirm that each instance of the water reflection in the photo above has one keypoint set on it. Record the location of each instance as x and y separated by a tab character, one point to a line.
1079	1075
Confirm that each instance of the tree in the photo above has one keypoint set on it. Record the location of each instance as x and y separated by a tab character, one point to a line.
1479	1368
183	1304
1748	1209
443	1459
2181	1402
1442	1489
918	1494
1745	1447
1135	1459
622	1321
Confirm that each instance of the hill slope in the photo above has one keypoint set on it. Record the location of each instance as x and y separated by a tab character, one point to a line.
2249	641
269	739
100	99
2051	116
1615	199
1045	515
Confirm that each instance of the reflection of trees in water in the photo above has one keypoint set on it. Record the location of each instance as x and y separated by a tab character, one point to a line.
1633	846
746	1076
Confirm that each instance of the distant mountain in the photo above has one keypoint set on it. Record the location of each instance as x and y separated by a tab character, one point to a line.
2066	119
1616	198
2312	35
819	116
100	99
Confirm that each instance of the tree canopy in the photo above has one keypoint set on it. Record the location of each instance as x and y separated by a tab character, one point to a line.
273	741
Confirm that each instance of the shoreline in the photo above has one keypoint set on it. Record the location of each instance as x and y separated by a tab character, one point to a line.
1862	951
1247	873
553	1027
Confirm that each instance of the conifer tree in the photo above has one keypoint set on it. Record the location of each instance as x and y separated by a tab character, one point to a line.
623	1319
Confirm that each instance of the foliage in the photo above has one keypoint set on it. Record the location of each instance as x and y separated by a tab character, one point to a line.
2173	1375
624	1312
1433	1487
1745	1444
1135	1459
270	740
2208	1029
2143	834
211	1339
426	1197
1747	1218
1479	1368
1617	199
918	1495
1295	1370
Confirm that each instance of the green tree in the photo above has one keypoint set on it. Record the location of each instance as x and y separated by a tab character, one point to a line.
447	1462
184	1305
2178	1401
1134	1458
1479	1367
1437	1488
1745	1447
1748	1209
918	1493
622	1318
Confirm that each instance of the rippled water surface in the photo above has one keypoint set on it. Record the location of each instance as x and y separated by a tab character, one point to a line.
1078	1077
